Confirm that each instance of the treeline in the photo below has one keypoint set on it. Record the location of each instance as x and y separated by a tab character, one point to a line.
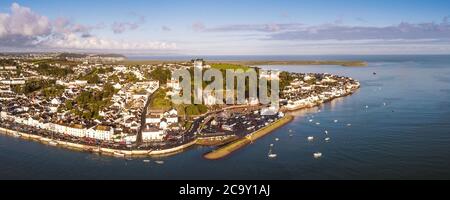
46	69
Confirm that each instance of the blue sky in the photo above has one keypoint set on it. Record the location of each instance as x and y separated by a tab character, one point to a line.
227	27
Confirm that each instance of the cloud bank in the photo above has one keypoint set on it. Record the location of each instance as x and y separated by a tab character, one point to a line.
24	28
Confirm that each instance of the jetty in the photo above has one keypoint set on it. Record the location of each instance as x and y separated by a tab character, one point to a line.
240	143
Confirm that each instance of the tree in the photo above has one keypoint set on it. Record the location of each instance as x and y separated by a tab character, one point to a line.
160	74
192	110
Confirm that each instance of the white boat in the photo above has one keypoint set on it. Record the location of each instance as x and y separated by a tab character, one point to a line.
311	120
53	143
326	132
384	104
277	139
327	139
367	106
349	124
290	130
317	123
160	162
118	154
317	155
336	121
146	161
310	138
272	155
17	135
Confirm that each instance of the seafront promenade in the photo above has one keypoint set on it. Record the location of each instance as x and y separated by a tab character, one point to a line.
95	149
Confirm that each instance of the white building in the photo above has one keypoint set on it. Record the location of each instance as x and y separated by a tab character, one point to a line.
100	132
151	133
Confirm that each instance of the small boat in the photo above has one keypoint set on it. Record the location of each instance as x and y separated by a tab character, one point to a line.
146	161
384	104
336	121
374	73
53	143
290	130
290	135
317	155
311	120
349	124
159	162
17	135
310	138
272	155
317	123
327	139
118	154
367	106
277	139
326	132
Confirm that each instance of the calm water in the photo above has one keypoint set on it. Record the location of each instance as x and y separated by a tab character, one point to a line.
409	138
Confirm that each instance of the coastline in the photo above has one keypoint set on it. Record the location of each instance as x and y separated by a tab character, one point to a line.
222	152
343	63
94	149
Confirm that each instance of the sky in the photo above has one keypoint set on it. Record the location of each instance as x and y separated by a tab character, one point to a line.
232	27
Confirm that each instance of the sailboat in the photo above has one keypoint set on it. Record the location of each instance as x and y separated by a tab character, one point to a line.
270	154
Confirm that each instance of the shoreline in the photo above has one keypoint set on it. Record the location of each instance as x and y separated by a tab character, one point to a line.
216	154
343	63
95	149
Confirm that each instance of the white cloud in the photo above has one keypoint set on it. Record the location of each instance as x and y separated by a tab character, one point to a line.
74	41
23	28
23	22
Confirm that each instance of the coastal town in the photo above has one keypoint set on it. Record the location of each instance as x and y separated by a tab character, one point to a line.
100	104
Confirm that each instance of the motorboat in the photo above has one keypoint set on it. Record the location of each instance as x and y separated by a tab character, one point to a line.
146	161
53	143
272	155
16	135
336	121
310	138
118	154
327	139
317	155
159	162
